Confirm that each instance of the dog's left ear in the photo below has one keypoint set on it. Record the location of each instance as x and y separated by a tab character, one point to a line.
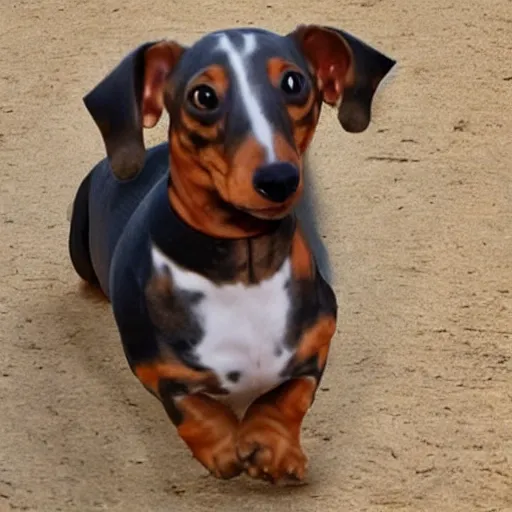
129	99
347	70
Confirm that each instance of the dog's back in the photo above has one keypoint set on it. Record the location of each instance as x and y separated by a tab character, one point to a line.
102	210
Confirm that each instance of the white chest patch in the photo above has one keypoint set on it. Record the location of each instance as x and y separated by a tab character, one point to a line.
244	329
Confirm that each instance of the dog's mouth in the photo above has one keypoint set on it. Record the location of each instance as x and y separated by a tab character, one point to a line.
269	213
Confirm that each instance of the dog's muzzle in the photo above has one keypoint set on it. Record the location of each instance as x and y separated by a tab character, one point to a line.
276	182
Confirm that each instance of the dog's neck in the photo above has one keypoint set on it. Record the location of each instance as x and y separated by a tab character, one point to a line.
226	244
204	211
221	260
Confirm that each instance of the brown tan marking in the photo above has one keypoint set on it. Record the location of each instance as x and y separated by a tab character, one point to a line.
316	340
185	141
304	117
207	175
237	188
207	426
215	76
192	188
198	179
285	152
269	435
209	429
304	128
276	66
152	374
299	112
303	265
210	133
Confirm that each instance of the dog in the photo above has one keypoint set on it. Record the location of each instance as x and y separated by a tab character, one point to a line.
207	246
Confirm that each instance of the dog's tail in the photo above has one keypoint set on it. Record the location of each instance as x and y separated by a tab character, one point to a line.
78	242
307	214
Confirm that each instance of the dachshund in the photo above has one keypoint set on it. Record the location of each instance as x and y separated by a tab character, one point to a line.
206	245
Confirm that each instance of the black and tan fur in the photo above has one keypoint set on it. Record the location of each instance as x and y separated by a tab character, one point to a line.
223	207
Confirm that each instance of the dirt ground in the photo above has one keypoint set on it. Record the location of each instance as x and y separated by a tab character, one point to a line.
415	411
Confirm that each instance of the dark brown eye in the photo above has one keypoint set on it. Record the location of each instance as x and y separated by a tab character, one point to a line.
203	97
293	83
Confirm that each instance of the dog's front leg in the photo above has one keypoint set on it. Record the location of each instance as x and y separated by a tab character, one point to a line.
269	436
208	427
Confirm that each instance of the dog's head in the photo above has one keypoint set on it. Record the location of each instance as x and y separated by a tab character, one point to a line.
243	107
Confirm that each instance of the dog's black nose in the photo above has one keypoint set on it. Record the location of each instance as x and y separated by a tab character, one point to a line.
276	182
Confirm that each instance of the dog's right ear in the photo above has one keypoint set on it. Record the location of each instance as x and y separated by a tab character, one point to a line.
130	98
348	71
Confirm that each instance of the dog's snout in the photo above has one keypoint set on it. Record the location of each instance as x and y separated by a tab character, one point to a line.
276	182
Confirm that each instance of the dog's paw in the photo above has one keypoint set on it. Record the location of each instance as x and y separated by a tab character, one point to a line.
270	452
210	430
221	459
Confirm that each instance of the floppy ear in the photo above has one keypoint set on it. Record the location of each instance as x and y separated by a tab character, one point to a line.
130	98
348	71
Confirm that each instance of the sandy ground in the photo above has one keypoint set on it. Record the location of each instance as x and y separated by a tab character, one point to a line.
415	411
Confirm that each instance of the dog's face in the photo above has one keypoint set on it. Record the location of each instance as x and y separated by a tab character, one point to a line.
243	104
243	107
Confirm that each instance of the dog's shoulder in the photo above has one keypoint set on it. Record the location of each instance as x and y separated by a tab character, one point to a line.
307	212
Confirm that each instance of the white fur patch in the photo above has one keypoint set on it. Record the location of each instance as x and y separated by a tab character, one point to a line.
244	329
238	61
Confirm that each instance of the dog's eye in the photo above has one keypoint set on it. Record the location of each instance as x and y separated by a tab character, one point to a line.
293	83
203	97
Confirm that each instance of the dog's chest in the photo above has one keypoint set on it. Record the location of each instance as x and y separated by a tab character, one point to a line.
243	328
